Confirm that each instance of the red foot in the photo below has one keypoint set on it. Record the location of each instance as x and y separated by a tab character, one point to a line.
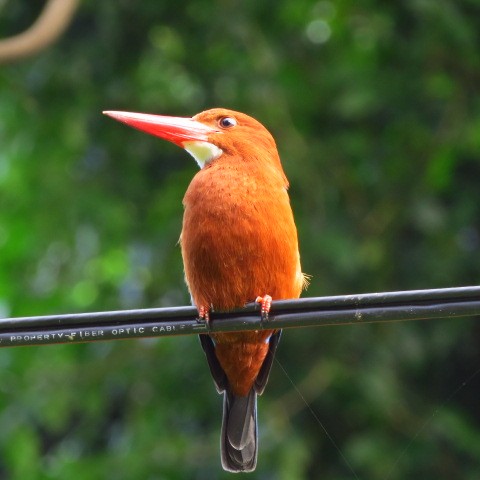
266	302
203	314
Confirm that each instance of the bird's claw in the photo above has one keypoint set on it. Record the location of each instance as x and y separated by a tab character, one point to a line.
266	303
204	316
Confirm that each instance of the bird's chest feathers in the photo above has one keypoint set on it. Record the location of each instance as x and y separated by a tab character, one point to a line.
230	197
233	216
238	238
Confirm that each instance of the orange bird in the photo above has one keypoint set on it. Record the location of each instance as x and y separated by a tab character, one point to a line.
239	244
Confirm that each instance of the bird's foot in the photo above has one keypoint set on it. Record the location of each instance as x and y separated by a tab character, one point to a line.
204	315
266	303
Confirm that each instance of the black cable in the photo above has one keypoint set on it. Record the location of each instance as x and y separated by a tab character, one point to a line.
304	312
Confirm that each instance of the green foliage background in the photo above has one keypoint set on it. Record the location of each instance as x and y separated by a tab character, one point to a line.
376	110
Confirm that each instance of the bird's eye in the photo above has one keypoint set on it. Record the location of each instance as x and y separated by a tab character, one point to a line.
227	122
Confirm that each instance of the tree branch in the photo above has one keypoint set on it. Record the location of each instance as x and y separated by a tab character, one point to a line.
51	23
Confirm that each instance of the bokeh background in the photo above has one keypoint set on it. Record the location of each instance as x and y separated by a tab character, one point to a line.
375	107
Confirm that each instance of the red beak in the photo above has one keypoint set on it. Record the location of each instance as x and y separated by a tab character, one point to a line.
174	129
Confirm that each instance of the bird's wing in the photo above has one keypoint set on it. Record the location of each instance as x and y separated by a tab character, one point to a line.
262	377
219	377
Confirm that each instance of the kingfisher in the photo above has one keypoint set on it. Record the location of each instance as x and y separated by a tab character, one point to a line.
239	244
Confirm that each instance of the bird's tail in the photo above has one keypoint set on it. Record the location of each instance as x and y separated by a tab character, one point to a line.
239	432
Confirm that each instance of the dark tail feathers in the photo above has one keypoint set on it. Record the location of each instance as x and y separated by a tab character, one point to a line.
239	432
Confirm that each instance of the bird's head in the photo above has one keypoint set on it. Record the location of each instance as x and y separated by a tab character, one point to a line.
210	135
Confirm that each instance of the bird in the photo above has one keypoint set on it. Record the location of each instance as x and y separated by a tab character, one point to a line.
239	244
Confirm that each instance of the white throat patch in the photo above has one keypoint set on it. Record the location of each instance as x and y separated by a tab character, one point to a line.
202	152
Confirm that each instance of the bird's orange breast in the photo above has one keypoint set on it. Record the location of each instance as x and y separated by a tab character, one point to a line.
239	238
239	241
